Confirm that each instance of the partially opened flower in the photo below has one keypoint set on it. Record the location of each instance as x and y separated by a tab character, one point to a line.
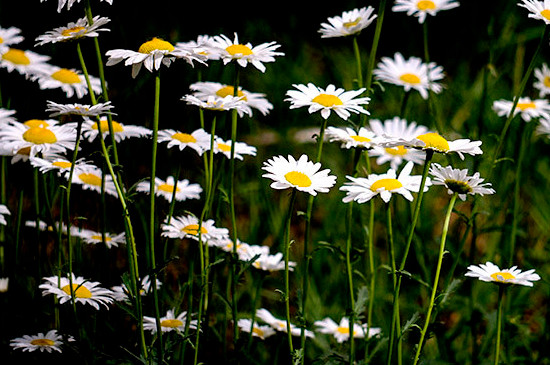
90	178
350	22
71	81
422	8
84	291
542	76
122	294
543	127
27	63
527	108
539	10
301	174
203	46
218	103
170	322
189	227
198	140
51	341
458	181
278	324
69	3
326	100
259	331
74	30
435	142
490	272
341	332
37	139
9	36
60	164
240	149
93	237
268	262
349	138
3	211
165	189
90	130
410	74
84	110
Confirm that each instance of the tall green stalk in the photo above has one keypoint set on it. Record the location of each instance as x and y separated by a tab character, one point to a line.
374	45
501	289
391	253
287	259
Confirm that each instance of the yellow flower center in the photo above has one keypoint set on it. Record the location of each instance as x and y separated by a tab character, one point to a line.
298	178
434	141
16	56
69	32
239	49
410	78
167	188
360	139
156	44
31	123
258	331
426	5
528	105
1	40
172	323
62	164
90	179
80	291
37	135
460	187
327	100
396	151
352	23
99	238
66	76
104	126
546	81
545	13
25	151
42	342
502	277
344	330
387	184
224	147
184	137
229	90
193	229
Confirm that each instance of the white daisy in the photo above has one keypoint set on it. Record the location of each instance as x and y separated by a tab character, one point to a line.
4	282
349	138
74	30
203	46
458	181
4	211
278	324
38	139
244	54
490	272
122	294
79	109
27	63
45	227
69	3
543	127
169	322
60	164
350	22
198	140
527	108
326	100
421	8
262	332
85	291
9	36
93	237
341	331
542	83
184	190
121	131
362	189
244	250
539	10
268	262
301	174
89	178
71	81
410	74
188	227
217	103
51	341
241	148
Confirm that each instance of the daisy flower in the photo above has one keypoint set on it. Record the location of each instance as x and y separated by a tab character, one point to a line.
85	291
241	148
410	74
51	341
203	90
93	237
188	227
90	179
27	63
244	54
74	30
326	100
262	332
543	127
198	140
69	3
539	10
301	174
45	227
542	83
122	131
203	46
217	103
79	109
490	272
122	294
421	8
527	108
351	22
349	138
278	324
341	331
268	262
9	36
169	322
184	190
4	211
53	139
60	164
71	81
362	189
458	181
4	282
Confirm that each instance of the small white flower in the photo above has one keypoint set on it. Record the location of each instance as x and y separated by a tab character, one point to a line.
184	190
79	109
202	46
51	341
349	138
9	36
422	8
69	3
241	148
27	63
89	178
93	237
527	108
539	10
4	282
217	103
3	211
458	181
543	127
341	332
169	322
257	331
542	84
278	324
198	140
71	81
121	131
122	294
60	164
188	227
74	30
351	22
490	272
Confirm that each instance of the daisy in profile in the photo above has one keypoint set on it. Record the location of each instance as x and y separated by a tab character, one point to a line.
51	341
278	324
188	227
89	178
203	90
37	139
90	130
197	140
262	332
422	8
60	164
268	262
3	211
326	100
165	189
74	30
362	189
458	181
27	63
490	272
410	74
10	36
243	54
341	332
122	294
92	237
69	3
203	46
543	128
396	128
217	103
241	148
45	227
85	291
542	76
527	108
71	81
350	22
539	10
301	174
169	322
84	110
348	138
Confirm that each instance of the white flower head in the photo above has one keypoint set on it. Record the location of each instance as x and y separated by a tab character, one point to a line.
165	189
198	140
350	22
280	325
27	63
170	322
490	272
69	3
527	108
189	227
349	138
422	8
3	211
84	291
458	181
71	81
543	128
51	341
202	46
341	332
90	130
539	10
84	110
9	36
240	149
90	178
60	164
259	331
74	30
542	76
4	282
217	103
122	294
92	237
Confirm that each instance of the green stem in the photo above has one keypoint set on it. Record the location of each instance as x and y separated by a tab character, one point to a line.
391	250
372	269
359	68
374	46
287	257
501	289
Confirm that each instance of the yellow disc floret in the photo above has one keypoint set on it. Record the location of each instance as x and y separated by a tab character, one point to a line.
387	184
156	44
298	179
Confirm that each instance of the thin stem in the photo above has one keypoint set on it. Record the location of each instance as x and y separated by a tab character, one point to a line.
374	46
287	283
358	66
372	269
501	289
391	252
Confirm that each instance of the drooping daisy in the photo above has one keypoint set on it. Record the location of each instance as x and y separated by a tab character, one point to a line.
539	10
362	189
27	63
51	341
188	227
458	181
490	272
350	22
53	139
122	294
79	109
396	128
93	237
527	108
341	332
244	54
71	81
542	83
90	179
245	252
278	324
184	190
74	30
410	74
60	164
122	131
326	100
4	282
3	211
203	90
69	3
169	322
198	140
421	8
10	36
217	103
349	138
85	291
301	174
276	262
241	148
259	331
